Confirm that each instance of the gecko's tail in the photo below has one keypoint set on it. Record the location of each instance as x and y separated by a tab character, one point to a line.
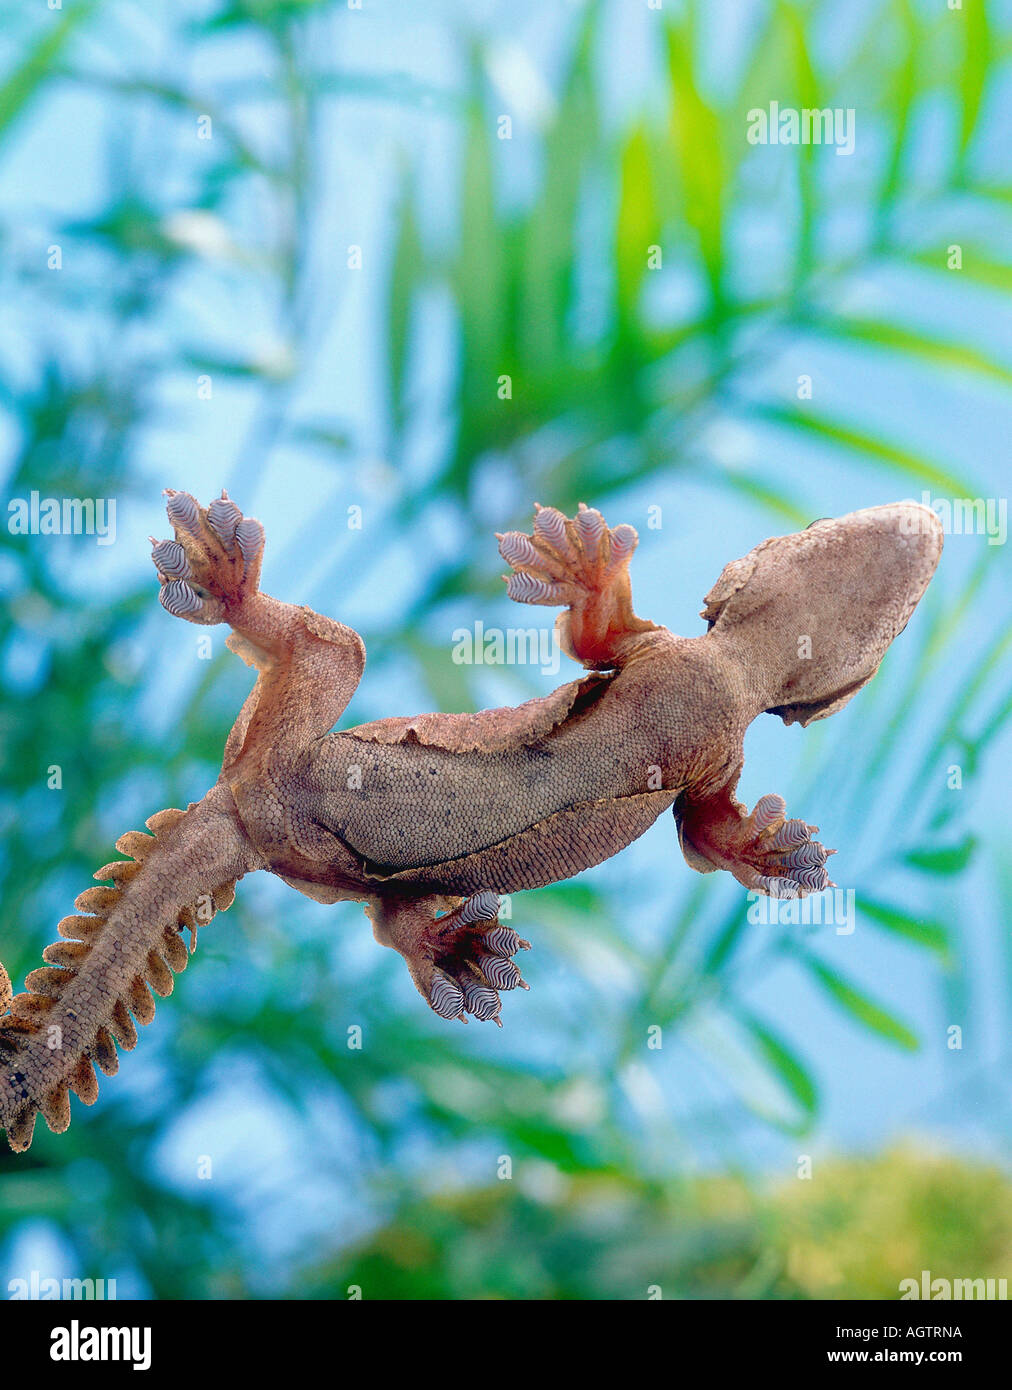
123	943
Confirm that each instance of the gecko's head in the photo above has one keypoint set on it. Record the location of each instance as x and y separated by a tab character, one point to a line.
813	613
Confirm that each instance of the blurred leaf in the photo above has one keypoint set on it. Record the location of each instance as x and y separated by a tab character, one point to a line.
637	228
547	251
977	264
950	726
900	100
921	931
947	859
785	1063
18	88
807	96
726	940
878	333
975	67
405	275
273	15
855	441
131	226
697	153
449	682
861	1008
774	499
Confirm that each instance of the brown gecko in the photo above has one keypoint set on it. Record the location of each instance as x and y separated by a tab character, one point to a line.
426	820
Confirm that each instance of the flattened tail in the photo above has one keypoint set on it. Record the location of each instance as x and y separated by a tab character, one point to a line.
124	942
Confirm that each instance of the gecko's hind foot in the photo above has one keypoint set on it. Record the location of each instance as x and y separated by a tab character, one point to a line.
780	855
213	565
459	961
471	953
581	563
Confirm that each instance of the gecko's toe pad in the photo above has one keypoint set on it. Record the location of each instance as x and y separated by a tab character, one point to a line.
787	861
581	564
565	560
214	560
472	960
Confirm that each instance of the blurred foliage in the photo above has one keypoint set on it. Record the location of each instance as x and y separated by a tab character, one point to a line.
855	1229
614	380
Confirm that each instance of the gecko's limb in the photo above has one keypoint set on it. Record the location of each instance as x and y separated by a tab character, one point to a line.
459	961
309	665
764	851
584	564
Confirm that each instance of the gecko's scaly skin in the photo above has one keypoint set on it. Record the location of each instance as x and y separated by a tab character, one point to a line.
426	820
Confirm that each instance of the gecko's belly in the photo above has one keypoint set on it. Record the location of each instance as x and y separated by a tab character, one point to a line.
410	805
406	805
660	725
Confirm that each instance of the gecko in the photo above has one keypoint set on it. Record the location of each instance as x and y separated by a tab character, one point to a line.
428	820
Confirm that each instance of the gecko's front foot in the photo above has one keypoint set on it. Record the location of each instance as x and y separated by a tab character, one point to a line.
781	854
765	851
213	566
582	563
459	961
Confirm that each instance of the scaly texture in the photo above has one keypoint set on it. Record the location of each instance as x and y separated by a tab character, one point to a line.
427	819
124	942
